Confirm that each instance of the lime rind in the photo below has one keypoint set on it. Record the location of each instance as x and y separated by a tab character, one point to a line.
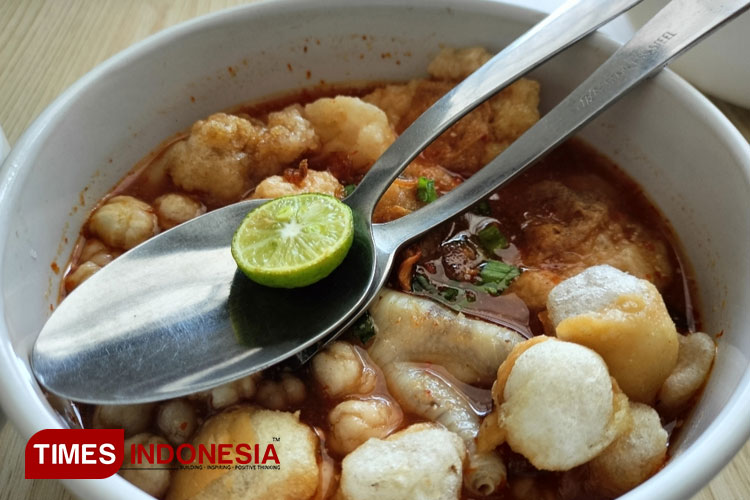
293	241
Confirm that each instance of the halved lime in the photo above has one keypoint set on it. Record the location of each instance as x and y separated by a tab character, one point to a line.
293	241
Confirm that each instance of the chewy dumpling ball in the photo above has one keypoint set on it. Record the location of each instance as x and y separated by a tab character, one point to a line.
694	361
624	319
634	456
421	462
555	404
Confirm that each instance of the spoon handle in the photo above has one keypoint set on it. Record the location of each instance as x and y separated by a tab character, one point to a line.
563	27
677	27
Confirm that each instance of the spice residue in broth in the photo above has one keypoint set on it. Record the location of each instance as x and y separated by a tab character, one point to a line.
574	164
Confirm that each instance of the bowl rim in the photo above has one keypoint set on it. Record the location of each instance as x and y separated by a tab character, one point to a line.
711	451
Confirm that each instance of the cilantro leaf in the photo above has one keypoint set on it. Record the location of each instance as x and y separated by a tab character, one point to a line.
364	328
491	238
449	293
496	276
426	190
420	283
482	208
349	189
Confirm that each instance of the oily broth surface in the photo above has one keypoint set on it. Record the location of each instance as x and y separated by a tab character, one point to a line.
568	164
578	165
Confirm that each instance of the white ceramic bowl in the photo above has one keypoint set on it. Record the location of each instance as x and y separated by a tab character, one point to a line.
720	65
688	157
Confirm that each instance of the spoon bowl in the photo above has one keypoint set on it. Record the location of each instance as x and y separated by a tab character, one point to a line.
225	324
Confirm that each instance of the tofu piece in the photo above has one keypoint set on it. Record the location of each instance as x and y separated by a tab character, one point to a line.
633	457
577	224
422	462
556	404
475	139
212	160
399	199
314	182
457	64
394	100
351	126
297	451
478	137
624	319
226	155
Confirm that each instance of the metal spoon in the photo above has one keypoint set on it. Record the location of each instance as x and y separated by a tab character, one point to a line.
160	321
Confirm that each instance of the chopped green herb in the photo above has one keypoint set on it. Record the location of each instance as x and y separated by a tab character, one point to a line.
495	270
420	283
491	238
426	190
496	276
364	328
349	189
449	293
482	208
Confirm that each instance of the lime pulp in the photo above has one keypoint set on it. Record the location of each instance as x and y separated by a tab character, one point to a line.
293	241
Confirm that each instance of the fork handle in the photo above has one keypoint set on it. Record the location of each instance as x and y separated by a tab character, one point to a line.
569	23
677	27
